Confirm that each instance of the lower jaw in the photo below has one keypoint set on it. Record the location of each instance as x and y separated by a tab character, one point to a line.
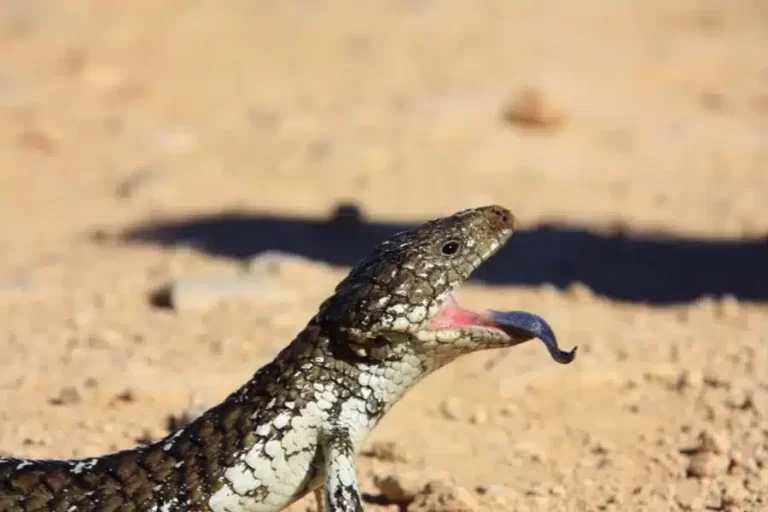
520	326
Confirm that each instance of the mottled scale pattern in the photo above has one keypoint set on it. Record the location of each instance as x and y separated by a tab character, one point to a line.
298	423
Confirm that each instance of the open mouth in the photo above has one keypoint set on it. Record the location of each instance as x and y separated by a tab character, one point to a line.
516	324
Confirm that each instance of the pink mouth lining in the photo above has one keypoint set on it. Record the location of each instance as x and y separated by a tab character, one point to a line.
453	314
519	325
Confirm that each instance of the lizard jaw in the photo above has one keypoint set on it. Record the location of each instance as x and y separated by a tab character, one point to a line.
520	325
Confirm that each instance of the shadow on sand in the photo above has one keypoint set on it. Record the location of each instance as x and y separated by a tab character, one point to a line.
649	269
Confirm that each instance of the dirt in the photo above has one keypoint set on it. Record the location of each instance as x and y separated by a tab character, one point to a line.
147	142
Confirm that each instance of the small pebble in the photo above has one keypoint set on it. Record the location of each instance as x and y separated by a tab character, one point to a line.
196	408
530	109
498	493
557	490
127	395
580	292
690	379
530	451
146	437
38	141
442	496
759	402
68	395
711	441
267	263
450	408
136	182
602	447
195	294
687	492
728	308
707	465
509	410
709	458
713	498
347	214
91	383
479	417
665	375
399	488
735	493
387	451
737	398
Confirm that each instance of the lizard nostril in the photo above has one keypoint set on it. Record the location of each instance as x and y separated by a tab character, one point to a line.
502	216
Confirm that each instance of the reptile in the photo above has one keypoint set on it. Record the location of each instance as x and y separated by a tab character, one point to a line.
297	425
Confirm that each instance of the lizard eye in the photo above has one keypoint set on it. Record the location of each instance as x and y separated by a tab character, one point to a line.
450	248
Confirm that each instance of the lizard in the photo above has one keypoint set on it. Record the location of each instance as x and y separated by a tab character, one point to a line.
297	425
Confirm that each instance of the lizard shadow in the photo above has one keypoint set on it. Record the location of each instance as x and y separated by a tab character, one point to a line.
653	269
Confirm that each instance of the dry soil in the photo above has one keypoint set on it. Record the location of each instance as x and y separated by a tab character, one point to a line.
144	142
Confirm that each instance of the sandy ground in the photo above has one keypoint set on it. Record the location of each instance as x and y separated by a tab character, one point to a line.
143	142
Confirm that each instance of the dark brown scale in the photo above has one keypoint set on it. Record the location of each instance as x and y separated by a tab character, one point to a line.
56	480
452	275
411	264
385	272
420	293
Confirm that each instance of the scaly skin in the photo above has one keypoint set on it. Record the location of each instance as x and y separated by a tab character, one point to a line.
297	425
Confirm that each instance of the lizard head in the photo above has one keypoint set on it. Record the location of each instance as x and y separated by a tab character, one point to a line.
404	290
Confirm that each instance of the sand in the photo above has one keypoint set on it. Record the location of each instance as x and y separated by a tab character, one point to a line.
145	143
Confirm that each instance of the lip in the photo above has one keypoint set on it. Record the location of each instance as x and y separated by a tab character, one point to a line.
518	325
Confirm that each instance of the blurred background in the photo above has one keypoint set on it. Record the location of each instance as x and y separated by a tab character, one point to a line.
160	158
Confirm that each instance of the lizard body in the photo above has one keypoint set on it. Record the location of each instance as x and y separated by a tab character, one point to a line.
297	424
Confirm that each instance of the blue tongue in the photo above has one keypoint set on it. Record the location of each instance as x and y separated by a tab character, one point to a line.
521	323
